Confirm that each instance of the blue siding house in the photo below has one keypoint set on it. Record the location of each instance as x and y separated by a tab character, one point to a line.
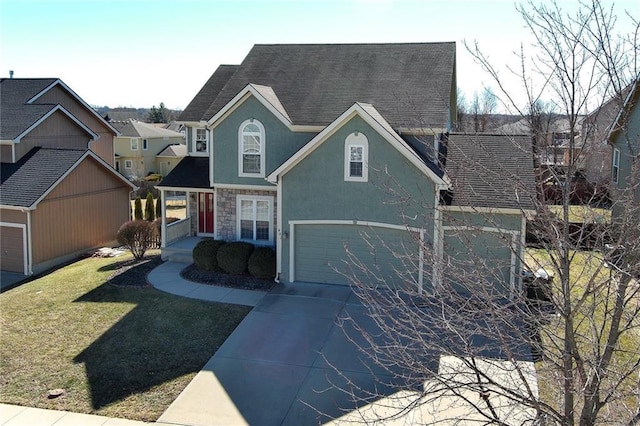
341	158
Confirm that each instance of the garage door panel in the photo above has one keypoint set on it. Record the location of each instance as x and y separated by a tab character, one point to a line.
322	253
12	249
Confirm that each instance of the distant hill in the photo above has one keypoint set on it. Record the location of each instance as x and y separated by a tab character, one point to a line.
123	113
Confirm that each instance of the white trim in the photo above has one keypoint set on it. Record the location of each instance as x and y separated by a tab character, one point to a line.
137	142
384	130
194	139
514	238
615	165
279	230
254	198
523	246
262	152
294	223
145	144
25	253
248	187
215	214
130	167
30	241
163	211
94	136
356	140
79	99
419	131
437	242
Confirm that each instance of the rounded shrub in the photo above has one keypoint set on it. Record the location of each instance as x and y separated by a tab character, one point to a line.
205	254
138	236
262	263
233	257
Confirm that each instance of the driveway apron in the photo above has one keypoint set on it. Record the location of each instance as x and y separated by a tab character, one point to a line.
288	363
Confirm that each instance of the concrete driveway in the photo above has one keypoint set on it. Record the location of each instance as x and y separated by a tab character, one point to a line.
280	366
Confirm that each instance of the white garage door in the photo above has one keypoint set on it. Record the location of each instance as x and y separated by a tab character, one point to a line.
336	253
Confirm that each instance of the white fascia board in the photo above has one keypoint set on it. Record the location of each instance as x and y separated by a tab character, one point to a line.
60	108
78	98
242	96
393	138
87	153
184	189
486	210
18	208
6	142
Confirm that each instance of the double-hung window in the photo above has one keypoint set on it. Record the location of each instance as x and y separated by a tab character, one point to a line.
615	166
251	144
200	141
134	144
356	157
255	219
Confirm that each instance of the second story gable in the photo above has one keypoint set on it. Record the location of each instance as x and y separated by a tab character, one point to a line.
45	112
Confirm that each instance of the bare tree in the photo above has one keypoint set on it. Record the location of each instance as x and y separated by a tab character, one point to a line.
564	347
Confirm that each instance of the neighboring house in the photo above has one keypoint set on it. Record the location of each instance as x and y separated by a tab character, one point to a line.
59	194
624	138
139	145
309	148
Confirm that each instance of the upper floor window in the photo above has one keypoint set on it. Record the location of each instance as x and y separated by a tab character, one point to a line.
145	144
200	141
134	144
615	166
251	142
356	157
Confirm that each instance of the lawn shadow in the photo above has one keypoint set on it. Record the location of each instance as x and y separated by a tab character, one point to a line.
160	339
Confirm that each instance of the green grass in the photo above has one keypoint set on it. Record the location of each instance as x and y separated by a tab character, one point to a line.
117	351
583	214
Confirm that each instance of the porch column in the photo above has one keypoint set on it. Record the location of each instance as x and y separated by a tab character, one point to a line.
163	241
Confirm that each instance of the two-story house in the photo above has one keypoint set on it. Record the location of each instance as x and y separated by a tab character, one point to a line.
142	148
59	194
339	156
624	138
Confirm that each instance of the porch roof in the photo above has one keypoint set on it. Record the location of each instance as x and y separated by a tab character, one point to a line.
191	172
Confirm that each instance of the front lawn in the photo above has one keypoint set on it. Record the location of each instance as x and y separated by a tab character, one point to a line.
119	351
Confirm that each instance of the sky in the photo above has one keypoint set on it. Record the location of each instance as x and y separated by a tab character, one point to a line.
138	53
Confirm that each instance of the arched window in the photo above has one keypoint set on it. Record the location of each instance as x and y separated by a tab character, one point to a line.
356	157
251	149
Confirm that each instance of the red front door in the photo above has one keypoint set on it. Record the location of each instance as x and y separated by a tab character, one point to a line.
205	213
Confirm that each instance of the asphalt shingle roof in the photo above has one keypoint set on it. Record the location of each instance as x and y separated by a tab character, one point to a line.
191	172
15	115
491	170
410	84
139	129
19	188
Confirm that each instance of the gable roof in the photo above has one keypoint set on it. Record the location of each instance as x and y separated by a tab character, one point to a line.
139	129
174	151
315	83
20	109
25	183
631	101
197	108
370	115
491	171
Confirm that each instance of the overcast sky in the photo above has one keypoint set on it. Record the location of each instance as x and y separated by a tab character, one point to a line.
142	52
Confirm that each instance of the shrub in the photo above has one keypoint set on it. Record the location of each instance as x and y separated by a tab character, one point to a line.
233	257
205	254
153	177
262	263
137	209
159	207
138	236
149	210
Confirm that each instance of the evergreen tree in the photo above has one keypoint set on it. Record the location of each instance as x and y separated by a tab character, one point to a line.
149	211
159	207
137	209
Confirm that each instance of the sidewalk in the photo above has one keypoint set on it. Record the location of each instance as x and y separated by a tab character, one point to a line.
14	415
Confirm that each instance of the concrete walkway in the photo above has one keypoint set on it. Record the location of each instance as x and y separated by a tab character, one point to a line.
14	415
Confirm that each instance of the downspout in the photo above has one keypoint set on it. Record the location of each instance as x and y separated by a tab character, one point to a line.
30	245
279	241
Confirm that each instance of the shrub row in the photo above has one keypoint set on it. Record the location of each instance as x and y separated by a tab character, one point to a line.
235	257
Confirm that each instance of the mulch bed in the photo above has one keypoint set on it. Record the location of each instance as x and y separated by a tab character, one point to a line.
245	282
133	273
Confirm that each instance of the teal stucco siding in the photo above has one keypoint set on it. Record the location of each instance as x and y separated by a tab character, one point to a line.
396	192
280	143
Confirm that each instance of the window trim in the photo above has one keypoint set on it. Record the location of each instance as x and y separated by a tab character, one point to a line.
356	139
615	165
137	144
128	164
262	135
145	144
254	199
194	141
